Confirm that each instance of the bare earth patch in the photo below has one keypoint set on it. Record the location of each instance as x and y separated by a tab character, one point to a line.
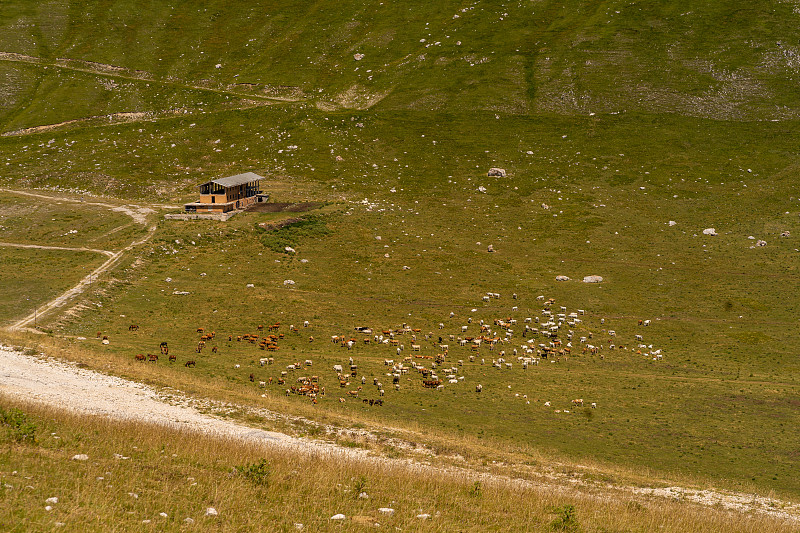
281	207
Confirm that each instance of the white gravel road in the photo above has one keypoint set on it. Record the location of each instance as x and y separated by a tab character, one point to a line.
49	381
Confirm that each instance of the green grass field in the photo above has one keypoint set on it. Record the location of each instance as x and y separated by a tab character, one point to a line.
617	117
34	277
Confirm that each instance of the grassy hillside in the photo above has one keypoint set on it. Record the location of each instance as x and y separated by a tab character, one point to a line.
168	479
619	117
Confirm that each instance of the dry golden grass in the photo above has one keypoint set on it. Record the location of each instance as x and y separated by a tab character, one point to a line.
182	474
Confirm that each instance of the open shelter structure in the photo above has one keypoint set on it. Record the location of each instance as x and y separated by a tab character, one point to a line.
228	194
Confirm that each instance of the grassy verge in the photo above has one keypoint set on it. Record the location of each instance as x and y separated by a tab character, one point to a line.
126	482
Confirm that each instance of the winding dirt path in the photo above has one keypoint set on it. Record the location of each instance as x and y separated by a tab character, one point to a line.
136	212
42	247
139	215
82	285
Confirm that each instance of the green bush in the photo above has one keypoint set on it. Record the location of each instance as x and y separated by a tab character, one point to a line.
566	520
258	473
359	486
20	429
292	234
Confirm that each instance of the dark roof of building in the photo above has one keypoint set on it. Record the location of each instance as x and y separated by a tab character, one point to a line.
238	179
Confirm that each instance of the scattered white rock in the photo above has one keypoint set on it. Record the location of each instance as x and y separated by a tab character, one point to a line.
304	260
562	278
251	286
288	282
363	496
180	293
54	499
481	189
168	280
189	520
212	512
80	457
593	279
490	248
751	238
81	338
672	223
163	514
146	521
406	267
423	516
339	516
298	526
133	495
761	243
710	231
497	172
358	57
290	250
386	510
48	507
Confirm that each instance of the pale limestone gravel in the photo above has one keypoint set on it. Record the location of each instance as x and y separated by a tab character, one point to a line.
53	382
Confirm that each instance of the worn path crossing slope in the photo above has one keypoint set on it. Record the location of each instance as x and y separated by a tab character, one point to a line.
65	386
139	215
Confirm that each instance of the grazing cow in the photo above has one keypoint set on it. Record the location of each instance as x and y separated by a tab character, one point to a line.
213	349
252	378
547	404
578	402
173	358
189	363
153	358
140	357
201	330
262	384
594	405
133	327
478	387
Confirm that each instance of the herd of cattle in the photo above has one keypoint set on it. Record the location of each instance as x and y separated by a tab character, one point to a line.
439	359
